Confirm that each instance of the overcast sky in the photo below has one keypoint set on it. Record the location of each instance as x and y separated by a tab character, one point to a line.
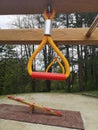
6	21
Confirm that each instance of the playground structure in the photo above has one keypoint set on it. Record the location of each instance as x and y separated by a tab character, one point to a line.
35	106
75	36
46	75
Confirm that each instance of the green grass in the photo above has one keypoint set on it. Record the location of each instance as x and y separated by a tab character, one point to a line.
91	93
2	96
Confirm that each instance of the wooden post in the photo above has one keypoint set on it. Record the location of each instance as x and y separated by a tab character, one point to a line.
92	27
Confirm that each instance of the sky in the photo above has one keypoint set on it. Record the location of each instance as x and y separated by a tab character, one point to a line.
6	21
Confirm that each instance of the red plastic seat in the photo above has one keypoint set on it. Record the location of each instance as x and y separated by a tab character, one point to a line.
48	76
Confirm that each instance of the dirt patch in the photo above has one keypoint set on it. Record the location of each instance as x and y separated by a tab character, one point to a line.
69	119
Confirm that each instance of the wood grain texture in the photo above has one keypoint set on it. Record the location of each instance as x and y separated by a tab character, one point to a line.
38	6
60	36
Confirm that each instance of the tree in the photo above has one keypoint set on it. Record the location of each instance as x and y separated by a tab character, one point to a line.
7	53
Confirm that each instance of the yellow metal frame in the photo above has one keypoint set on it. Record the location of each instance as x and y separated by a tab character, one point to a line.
55	59
50	41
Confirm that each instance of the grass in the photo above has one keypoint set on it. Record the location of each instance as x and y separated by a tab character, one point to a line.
91	93
2	96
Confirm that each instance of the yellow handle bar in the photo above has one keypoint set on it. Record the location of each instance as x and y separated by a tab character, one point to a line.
55	59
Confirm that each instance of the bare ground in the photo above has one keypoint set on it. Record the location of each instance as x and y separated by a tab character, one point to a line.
86	105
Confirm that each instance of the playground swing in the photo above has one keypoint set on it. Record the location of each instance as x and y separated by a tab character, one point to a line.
46	75
49	15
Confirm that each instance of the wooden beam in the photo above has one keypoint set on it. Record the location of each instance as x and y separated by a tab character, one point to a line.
38	6
60	36
92	27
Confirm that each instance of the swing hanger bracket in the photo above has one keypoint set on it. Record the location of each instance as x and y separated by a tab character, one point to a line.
48	14
49	9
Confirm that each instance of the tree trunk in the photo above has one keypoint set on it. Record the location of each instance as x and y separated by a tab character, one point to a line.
80	68
68	81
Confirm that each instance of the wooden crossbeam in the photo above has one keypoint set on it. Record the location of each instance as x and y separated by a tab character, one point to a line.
38	6
60	36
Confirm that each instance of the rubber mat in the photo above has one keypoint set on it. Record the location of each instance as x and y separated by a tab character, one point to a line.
69	119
